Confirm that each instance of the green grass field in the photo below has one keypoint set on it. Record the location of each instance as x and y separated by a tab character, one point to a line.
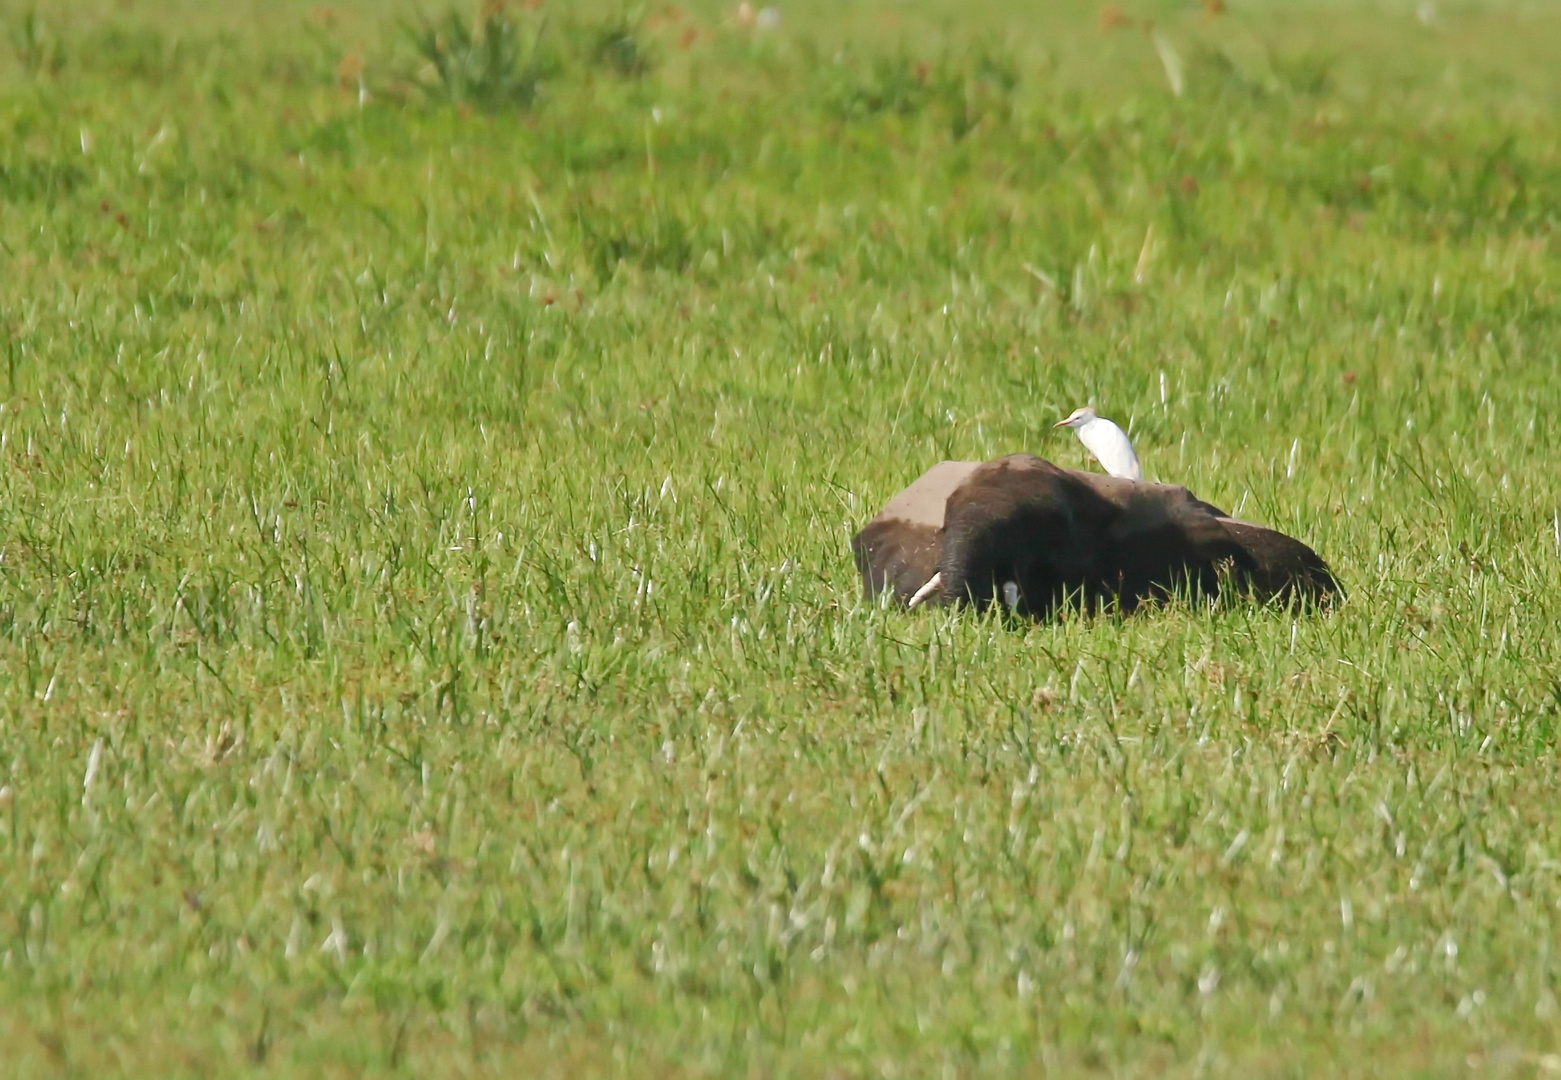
429	637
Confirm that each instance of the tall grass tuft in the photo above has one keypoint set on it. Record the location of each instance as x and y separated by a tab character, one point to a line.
495	61
620	45
37	48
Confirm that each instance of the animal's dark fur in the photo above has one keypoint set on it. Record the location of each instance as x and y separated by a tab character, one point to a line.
896	556
1066	536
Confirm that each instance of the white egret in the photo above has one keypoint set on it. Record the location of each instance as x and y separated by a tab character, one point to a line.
1109	443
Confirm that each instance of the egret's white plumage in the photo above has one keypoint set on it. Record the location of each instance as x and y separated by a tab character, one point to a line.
1109	443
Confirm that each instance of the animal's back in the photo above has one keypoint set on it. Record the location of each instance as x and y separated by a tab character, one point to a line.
898	550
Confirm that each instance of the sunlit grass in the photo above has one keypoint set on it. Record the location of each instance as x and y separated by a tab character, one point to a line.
430	633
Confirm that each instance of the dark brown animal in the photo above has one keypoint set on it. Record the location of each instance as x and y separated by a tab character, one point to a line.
1039	536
